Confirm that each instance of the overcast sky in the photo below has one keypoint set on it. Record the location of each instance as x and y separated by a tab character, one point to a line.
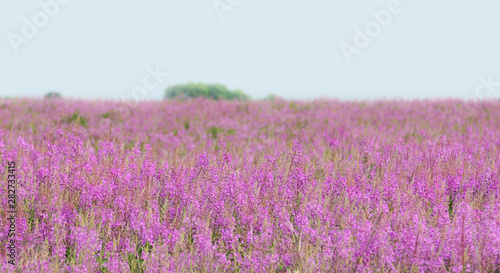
294	49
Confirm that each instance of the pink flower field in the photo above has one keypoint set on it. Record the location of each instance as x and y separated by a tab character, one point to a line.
259	186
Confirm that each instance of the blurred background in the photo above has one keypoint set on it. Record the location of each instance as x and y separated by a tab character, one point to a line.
293	49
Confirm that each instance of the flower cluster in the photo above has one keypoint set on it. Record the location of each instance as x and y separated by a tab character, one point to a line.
227	186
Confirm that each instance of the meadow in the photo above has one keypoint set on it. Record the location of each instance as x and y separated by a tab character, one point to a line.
258	186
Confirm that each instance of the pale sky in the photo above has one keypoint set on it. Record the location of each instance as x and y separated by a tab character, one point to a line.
104	49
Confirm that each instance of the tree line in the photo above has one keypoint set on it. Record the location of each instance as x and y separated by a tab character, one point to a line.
195	90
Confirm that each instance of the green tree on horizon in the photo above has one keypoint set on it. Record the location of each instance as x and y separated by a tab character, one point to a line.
52	95
210	91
